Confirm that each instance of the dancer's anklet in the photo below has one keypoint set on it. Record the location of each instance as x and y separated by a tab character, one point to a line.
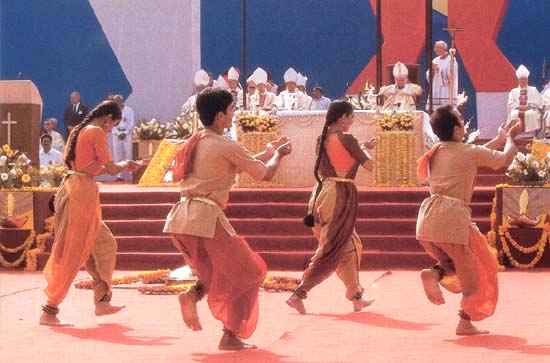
50	310
463	315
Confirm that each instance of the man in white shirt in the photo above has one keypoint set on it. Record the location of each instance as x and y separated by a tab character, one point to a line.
122	135
58	143
524	102
48	155
291	98
320	102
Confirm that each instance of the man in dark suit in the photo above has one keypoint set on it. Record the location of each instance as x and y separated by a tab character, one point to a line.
75	112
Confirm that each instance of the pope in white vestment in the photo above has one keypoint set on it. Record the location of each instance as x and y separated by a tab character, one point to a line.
524	102
546	117
400	96
291	98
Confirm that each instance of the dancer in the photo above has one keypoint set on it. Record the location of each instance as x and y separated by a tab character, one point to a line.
444	227
81	237
333	208
229	272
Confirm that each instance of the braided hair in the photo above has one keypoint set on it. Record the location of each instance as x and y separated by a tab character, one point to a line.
103	109
336	110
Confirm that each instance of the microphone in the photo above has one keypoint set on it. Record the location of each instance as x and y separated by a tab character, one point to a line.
19	76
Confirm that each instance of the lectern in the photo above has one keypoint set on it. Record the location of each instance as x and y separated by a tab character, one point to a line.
20	117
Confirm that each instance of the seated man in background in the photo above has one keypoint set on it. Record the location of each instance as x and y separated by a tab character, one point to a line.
48	155
58	143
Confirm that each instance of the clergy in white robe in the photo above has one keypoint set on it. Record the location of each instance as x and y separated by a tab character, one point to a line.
524	102
260	99
201	79
441	70
122	135
234	87
546	116
301	83
291	98
400	96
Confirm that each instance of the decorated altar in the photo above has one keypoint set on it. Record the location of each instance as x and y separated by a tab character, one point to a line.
303	128
520	225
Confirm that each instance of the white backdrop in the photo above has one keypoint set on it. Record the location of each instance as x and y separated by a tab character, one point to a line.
157	43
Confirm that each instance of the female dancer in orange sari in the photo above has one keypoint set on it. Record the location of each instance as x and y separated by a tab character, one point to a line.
334	208
444	227
81	237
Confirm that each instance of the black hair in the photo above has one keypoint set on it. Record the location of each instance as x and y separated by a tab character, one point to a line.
443	121
103	109
211	101
46	136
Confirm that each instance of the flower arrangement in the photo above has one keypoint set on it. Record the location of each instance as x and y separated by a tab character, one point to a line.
395	121
52	175
180	128
252	123
15	169
526	169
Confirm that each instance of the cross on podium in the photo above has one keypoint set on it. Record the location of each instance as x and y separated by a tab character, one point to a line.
8	123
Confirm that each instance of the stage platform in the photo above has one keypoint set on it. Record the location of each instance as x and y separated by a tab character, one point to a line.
401	326
271	221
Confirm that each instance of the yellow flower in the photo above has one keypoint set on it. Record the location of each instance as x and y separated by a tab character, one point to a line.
6	148
9	153
26	178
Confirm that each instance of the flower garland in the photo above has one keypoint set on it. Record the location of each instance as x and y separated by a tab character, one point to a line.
271	283
149	277
25	246
32	260
155	172
395	158
255	142
539	247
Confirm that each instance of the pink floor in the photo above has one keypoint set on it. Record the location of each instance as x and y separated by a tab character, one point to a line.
401	326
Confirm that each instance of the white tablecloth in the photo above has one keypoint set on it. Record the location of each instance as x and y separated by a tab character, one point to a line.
303	128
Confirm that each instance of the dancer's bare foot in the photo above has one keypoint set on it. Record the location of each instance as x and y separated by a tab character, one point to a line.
360	304
105	308
230	341
188	306
465	327
297	303
52	320
430	281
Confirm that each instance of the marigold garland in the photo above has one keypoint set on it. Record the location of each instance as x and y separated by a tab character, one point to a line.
155	172
25	246
149	277
538	247
271	283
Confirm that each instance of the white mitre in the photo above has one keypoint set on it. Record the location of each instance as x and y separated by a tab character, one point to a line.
233	74
260	76
290	75
220	83
201	78
400	70
522	72
301	80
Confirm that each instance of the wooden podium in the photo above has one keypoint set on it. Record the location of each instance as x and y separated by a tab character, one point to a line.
20	117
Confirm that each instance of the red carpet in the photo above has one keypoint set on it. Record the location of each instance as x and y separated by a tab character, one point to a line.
401	326
271	221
